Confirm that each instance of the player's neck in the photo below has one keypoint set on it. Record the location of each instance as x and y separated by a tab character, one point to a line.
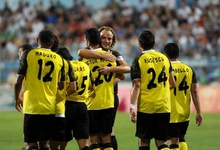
174	59
94	46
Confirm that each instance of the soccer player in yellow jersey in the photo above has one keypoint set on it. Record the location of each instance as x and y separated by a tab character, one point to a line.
76	113
152	79
186	87
101	103
108	41
43	71
21	50
59	126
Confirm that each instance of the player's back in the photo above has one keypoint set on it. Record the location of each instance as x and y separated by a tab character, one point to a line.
155	69
82	74
180	96
42	77
61	94
103	96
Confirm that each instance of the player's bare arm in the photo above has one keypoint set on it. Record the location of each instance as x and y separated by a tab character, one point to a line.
172	81
135	91
17	89
122	68
92	54
195	98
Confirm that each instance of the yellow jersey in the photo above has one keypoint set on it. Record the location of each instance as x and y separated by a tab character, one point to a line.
83	79
103	95
153	69
180	96
42	69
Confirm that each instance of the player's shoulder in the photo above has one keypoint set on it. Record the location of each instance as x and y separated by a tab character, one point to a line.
77	62
187	66
115	53
99	50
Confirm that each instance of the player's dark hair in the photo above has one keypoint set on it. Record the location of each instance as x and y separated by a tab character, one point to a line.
55	44
26	47
65	53
147	40
46	37
93	36
113	32
171	50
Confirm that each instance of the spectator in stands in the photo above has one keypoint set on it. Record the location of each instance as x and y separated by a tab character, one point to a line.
172	22
204	77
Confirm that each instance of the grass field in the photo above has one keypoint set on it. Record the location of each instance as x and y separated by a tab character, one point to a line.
205	137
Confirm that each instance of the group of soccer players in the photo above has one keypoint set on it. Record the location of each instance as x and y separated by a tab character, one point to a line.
66	98
162	92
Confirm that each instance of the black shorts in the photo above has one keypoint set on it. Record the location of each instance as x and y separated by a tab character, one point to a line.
116	103
101	121
150	126
59	127
37	127
77	120
178	129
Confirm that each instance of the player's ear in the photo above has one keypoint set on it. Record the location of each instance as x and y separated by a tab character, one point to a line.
140	45
51	43
36	40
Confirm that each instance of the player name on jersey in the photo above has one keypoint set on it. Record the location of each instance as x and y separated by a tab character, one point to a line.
45	55
180	70
94	61
154	60
79	68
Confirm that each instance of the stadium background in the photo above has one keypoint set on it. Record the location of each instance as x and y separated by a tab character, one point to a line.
196	32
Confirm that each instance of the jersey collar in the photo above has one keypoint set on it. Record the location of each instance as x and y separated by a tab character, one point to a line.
97	49
176	61
44	48
147	51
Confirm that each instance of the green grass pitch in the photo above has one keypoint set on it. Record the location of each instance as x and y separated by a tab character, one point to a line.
198	138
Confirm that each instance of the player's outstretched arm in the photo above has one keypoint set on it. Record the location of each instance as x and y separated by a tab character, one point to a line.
89	54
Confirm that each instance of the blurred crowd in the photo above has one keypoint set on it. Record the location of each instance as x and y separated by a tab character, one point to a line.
194	27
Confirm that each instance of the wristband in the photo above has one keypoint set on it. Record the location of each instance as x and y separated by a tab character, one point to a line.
132	106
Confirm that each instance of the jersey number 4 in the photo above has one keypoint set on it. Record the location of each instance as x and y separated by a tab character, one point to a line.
182	86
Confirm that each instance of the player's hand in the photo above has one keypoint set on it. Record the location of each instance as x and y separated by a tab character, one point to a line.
120	76
133	115
104	70
199	119
19	105
109	57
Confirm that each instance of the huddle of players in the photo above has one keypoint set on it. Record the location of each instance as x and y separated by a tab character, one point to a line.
86	111
82	101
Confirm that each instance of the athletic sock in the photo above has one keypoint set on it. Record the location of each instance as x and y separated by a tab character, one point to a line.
114	142
183	146
86	148
107	146
95	147
163	147
144	147
32	148
174	147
